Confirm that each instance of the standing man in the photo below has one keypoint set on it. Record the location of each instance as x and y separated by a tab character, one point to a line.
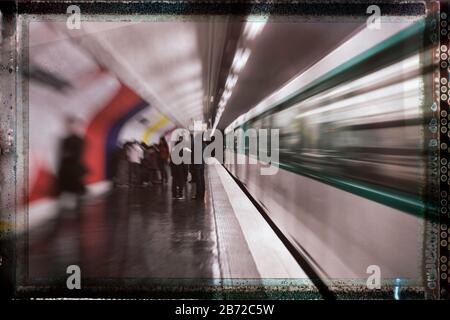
198	165
179	174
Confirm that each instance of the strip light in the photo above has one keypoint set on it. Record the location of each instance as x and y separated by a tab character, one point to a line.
251	30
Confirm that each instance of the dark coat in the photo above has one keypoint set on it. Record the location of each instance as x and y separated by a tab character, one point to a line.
71	168
179	171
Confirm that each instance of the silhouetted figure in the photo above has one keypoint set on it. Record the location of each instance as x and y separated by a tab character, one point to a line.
145	166
151	164
179	175
198	169
135	154
113	163
121	177
164	155
71	169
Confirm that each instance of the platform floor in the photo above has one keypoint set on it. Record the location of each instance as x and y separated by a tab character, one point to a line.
144	233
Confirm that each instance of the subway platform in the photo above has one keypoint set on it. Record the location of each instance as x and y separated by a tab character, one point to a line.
142	237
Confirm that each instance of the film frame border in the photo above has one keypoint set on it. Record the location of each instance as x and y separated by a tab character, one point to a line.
56	7
444	143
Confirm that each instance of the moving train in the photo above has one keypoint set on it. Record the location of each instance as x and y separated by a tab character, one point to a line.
349	192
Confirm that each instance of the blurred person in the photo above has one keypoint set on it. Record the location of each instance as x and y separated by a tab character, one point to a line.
121	177
152	165
145	166
155	164
163	158
135	154
191	177
71	169
113	163
198	169
179	175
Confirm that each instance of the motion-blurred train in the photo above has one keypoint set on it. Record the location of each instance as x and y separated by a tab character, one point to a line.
349	192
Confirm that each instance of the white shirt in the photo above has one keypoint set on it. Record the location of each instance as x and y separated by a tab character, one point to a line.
135	154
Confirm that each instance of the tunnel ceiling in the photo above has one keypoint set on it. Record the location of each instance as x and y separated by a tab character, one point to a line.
173	65
181	67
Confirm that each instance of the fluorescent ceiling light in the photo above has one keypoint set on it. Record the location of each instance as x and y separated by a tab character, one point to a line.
226	94
240	59
231	81
253	29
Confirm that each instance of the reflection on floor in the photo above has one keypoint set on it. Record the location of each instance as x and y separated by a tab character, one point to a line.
139	239
144	233
129	233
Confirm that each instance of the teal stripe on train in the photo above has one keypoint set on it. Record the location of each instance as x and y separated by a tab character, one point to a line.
400	46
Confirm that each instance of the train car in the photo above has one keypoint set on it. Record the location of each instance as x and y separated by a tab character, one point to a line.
349	192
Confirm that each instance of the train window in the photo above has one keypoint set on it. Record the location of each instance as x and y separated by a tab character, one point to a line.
267	124
257	124
289	128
